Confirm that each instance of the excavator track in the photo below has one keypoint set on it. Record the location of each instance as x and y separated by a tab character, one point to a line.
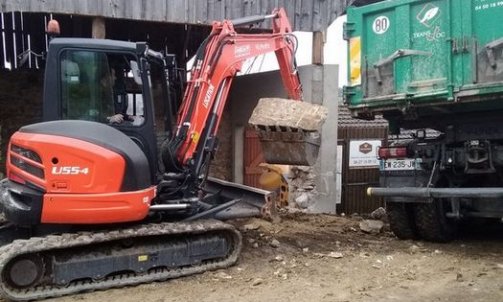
187	237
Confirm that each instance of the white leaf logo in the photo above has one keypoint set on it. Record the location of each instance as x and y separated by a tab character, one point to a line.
430	14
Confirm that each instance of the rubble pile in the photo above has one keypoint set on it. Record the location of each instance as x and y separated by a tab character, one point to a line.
302	187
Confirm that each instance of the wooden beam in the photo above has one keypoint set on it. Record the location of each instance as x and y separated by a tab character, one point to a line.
99	28
318	43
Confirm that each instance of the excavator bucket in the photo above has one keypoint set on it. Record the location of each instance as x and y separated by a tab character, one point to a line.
289	131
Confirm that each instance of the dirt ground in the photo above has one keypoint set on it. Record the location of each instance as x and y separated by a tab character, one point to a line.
328	258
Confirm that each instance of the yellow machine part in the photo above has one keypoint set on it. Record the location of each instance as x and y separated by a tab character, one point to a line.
272	179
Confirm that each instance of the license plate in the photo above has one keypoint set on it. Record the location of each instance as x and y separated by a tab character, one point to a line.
399	164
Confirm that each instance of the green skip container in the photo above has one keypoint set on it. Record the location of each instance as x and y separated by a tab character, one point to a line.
415	60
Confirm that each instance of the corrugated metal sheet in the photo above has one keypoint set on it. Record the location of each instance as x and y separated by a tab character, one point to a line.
305	15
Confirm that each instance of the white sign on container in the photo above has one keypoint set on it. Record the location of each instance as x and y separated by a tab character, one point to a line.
363	153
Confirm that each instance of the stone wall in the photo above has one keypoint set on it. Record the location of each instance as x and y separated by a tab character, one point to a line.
20	103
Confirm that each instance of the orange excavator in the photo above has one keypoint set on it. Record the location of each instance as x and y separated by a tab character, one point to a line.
93	201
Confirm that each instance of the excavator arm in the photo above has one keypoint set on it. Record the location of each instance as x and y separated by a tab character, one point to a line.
217	62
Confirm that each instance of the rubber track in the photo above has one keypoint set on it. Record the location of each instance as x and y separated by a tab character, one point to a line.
51	242
401	220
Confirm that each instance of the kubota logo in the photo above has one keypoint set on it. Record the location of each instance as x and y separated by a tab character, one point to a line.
428	15
208	95
242	50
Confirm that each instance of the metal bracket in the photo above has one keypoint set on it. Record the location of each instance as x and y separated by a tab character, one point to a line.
455	205
348	29
478	157
490	51
397	54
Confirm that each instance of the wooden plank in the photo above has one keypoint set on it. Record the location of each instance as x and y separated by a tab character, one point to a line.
305	15
265	9
235	9
18	38
198	11
247	8
158	9
176	11
317	17
221	10
298	14
8	39
210	10
318	44
136	10
252	157
289	6
2	58
255	7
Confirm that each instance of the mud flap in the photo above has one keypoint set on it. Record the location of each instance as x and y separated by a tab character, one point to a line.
289	130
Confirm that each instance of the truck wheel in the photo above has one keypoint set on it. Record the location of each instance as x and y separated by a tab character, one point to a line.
431	222
401	220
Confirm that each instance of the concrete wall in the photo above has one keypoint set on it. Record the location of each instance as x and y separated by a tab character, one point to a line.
327	89
320	85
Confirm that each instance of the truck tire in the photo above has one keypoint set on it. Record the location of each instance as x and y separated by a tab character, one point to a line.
401	220
431	222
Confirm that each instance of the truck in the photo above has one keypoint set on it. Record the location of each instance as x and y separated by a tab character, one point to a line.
434	70
92	200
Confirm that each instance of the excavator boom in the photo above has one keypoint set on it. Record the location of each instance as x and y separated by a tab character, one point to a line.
217	62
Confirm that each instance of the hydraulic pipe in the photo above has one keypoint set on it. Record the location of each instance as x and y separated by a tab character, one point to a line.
213	210
437	192
252	19
169	207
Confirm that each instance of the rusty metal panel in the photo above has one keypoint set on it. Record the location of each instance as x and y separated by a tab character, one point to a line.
305	15
355	181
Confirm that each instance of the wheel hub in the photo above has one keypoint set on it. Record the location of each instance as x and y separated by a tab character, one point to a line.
25	272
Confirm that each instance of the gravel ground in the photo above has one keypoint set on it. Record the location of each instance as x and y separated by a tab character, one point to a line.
328	258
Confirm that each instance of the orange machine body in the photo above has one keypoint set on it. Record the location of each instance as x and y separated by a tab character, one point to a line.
80	181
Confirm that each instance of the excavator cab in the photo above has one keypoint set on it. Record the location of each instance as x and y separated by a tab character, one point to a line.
115	83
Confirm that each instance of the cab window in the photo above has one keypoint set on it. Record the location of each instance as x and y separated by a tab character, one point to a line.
100	87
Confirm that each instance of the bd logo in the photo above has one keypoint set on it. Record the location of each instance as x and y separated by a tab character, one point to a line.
365	148
428	15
